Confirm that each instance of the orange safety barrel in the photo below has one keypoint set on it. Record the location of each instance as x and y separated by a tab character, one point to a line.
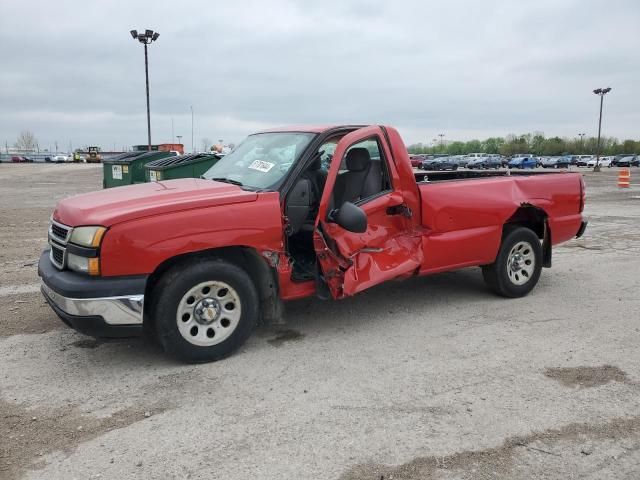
624	178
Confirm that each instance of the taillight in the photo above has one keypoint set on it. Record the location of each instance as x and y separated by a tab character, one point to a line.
583	194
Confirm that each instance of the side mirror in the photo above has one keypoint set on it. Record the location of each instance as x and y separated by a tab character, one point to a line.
351	217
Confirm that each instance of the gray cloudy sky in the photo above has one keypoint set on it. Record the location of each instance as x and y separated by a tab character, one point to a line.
72	73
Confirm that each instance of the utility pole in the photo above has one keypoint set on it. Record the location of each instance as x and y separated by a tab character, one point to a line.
601	92
192	150
173	137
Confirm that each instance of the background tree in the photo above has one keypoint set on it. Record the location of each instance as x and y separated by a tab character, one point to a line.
456	148
26	141
492	145
553	147
535	143
629	146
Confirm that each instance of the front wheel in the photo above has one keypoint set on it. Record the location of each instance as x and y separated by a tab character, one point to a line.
518	265
204	310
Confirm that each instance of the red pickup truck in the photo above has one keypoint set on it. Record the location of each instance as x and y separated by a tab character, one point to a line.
290	213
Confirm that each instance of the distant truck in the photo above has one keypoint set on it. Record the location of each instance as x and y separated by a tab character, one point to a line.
94	155
199	262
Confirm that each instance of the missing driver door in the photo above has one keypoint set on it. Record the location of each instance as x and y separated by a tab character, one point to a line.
363	173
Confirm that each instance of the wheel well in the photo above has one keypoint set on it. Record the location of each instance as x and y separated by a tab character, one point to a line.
537	220
247	258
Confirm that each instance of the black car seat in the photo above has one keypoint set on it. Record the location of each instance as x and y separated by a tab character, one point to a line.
318	177
362	179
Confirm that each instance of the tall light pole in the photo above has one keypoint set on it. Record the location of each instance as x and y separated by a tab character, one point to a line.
601	92
581	135
146	38
441	135
192	150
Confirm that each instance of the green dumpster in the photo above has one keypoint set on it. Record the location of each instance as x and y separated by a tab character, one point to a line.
184	166
128	168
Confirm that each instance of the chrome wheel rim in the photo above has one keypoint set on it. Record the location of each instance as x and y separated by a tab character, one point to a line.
521	263
208	313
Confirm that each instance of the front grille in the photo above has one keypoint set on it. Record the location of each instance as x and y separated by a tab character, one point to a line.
59	231
58	237
57	256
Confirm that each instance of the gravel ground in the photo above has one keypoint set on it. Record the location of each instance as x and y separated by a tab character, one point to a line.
433	377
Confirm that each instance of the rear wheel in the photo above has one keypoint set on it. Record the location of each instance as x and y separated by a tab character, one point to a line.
204	310
518	265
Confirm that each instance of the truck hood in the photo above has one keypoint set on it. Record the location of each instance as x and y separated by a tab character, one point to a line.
114	205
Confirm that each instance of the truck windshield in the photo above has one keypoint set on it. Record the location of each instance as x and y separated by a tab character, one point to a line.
262	160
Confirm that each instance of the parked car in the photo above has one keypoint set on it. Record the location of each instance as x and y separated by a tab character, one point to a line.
555	162
476	155
565	161
583	160
17	159
441	163
629	161
604	162
484	162
632	162
61	158
197	262
523	162
416	160
499	159
461	160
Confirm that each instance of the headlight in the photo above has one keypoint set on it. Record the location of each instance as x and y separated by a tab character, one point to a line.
87	236
83	264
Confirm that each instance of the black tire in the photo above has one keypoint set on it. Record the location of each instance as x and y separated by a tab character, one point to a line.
172	289
499	278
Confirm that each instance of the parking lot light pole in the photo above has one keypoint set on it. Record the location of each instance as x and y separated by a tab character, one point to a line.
601	92
581	135
146	38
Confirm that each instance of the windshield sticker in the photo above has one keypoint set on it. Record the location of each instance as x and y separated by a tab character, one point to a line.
261	166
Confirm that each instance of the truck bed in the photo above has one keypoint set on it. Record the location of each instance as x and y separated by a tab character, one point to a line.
464	219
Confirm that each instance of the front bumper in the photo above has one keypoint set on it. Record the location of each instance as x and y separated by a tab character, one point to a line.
100	307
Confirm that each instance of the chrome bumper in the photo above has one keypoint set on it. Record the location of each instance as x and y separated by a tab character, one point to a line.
123	310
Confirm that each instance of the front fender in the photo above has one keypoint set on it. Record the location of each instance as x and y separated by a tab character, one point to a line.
139	246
